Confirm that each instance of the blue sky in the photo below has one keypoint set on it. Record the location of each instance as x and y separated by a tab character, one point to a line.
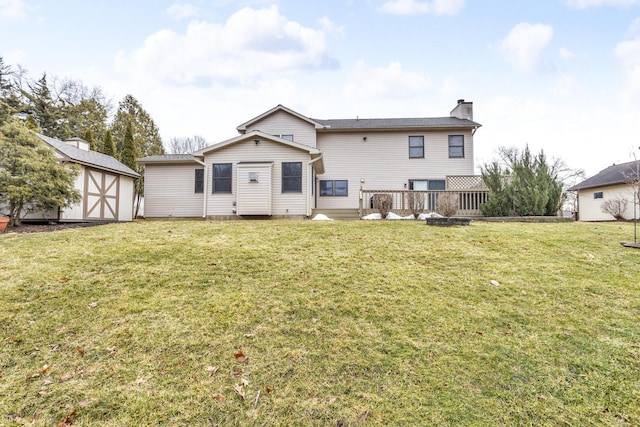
559	75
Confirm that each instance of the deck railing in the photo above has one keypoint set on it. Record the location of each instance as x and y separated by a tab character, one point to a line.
469	201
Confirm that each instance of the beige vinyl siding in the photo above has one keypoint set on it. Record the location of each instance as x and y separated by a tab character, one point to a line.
283	123
254	197
170	191
283	204
383	161
590	209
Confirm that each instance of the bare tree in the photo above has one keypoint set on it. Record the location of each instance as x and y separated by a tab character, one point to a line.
180	145
615	206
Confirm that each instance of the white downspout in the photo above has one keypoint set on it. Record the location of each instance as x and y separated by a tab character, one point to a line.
309	178
205	189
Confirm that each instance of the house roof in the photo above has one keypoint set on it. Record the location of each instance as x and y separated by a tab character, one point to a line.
88	158
396	123
256	135
169	158
243	127
613	175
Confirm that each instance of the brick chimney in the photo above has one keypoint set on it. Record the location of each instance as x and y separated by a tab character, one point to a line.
464	110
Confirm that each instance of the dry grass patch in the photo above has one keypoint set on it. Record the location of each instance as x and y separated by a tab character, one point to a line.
320	323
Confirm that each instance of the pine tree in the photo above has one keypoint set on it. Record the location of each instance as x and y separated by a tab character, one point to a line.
128	154
108	146
88	136
146	135
31	178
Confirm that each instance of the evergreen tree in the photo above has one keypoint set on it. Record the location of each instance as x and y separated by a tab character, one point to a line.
45	111
31	179
527	186
146	135
88	136
108	146
128	155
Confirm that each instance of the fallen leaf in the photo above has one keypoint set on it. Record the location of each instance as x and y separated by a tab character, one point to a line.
93	304
64	279
495	283
112	350
249	335
45	369
218	397
66	377
238	388
478	332
541	397
80	351
84	403
268	389
139	381
240	356
67	421
212	369
47	383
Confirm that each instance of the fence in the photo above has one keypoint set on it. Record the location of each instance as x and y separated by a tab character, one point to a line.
469	201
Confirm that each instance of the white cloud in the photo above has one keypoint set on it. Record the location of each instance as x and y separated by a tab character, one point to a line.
330	28
249	45
414	7
182	11
566	54
635	26
566	85
524	44
450	86
583	4
13	9
387	82
628	55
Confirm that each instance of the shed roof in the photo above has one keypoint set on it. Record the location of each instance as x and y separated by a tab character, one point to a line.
88	158
613	175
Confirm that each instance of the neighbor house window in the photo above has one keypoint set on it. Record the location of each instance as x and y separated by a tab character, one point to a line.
338	187
222	178
598	195
456	146
292	177
199	181
416	147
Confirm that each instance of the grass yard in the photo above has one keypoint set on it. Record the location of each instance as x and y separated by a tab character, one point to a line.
320	323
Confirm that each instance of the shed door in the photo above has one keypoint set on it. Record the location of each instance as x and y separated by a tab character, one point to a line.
101	195
254	188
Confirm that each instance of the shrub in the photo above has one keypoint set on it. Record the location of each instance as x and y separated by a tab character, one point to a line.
416	203
383	203
615	206
447	204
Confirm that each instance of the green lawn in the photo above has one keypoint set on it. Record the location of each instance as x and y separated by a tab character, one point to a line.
320	323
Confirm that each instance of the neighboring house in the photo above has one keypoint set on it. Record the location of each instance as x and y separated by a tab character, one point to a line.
288	165
610	183
106	185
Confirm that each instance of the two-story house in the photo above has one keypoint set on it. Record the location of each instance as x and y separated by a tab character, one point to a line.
285	164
